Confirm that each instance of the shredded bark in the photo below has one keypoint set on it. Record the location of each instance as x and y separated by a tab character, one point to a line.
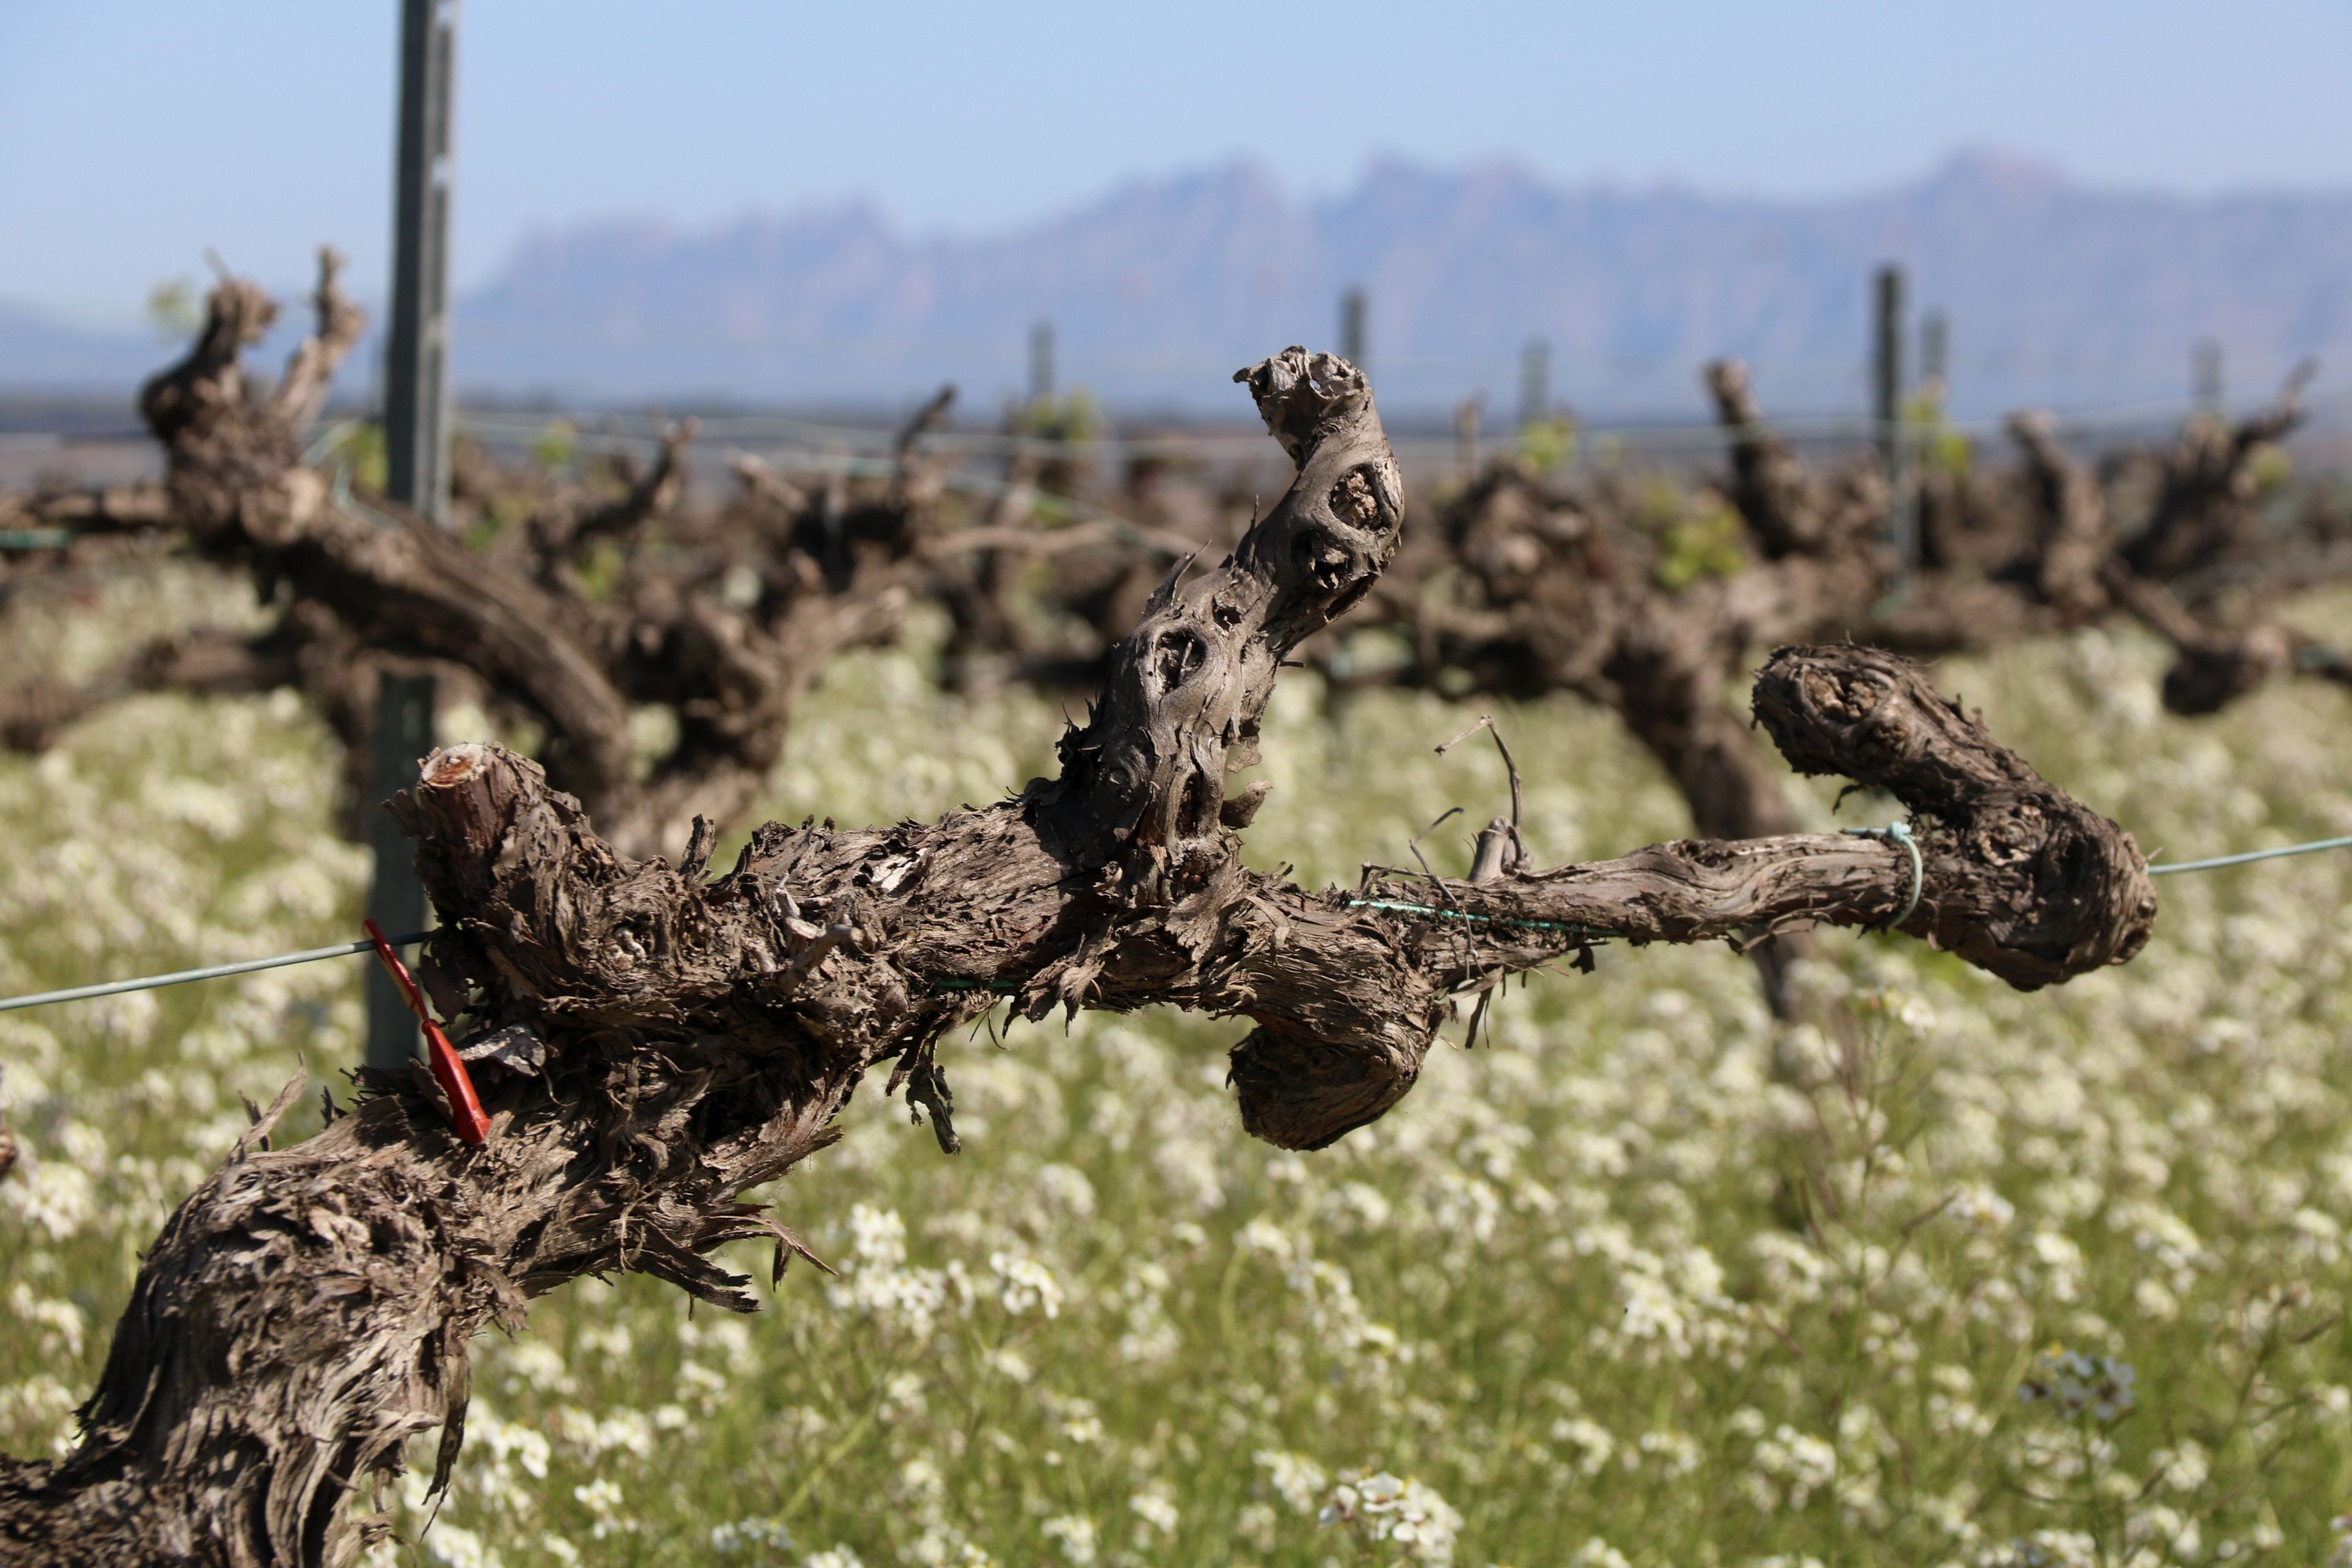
652	1045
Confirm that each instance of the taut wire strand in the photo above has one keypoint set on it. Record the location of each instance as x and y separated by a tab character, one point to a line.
1896	833
213	972
2250	855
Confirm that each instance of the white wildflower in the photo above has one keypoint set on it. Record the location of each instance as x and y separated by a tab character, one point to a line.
1064	1189
57	1196
59	1322
1074	1532
1296	1479
602	1498
1594	1443
1803	1463
1076	1419
506	1443
877	1282
878	1237
1259	1525
1361	1208
1381	1507
1978	1204
1029	1286
39	1411
456	1547
535	1364
1155	1505
1264	1236
943	1546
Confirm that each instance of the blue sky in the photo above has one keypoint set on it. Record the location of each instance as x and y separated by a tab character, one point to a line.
134	135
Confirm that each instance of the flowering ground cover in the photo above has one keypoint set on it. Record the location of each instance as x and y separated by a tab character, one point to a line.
1953	1276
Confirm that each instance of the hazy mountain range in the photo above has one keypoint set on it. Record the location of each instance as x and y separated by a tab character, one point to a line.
2057	293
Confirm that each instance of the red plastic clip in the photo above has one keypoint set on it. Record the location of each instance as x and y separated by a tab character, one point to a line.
448	1068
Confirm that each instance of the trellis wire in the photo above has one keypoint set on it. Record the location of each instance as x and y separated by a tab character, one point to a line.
2250	855
211	971
346	948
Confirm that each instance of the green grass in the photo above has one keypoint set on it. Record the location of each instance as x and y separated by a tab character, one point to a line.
1644	1280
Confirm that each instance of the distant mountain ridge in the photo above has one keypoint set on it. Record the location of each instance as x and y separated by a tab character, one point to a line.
44	356
2058	293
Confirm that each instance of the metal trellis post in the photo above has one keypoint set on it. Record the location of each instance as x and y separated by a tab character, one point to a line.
2206	377
1535	383
1352	309
1935	356
1041	364
416	441
1887	388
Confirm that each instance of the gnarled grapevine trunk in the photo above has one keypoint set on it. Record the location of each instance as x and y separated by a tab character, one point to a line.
675	1041
726	645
